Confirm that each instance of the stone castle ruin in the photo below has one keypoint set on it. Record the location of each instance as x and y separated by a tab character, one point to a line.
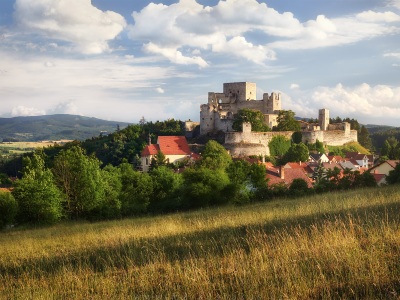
218	115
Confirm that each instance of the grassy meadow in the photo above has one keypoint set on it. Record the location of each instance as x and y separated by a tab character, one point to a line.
338	245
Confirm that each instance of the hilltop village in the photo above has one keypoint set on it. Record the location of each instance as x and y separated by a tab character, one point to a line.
218	116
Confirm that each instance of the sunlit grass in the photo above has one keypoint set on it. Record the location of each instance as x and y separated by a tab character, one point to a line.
337	245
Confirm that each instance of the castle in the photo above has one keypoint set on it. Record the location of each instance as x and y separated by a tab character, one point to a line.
218	115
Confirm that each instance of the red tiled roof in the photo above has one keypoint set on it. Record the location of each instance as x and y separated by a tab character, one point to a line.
173	145
332	166
351	154
289	175
150	150
393	163
293	165
378	177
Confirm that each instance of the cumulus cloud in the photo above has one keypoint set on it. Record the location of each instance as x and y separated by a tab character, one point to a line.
68	107
380	103
294	86
167	29
160	90
175	55
371	16
23	111
76	21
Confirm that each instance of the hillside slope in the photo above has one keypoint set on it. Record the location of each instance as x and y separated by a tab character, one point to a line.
54	127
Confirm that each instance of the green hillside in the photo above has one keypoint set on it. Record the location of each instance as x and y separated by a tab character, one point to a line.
332	246
54	127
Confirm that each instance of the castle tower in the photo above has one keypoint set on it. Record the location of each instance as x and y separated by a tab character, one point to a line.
323	119
241	91
207	120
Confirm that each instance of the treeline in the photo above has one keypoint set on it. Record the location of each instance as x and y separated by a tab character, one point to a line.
76	186
123	145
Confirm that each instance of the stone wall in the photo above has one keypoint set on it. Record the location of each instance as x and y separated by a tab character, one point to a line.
248	143
251	143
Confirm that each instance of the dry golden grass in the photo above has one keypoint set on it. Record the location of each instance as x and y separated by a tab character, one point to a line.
338	245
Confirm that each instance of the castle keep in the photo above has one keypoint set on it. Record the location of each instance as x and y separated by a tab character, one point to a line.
218	115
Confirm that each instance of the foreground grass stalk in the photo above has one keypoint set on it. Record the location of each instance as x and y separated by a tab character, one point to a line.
344	245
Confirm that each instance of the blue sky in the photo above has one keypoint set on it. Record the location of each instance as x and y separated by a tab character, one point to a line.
121	60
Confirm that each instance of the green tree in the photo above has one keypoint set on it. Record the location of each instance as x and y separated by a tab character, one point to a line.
297	137
39	200
394	175
166	187
158	160
136	191
79	178
319	146
204	187
287	121
364	138
214	156
296	152
298	187
391	148
255	117
238	189
8	209
278	146
110	208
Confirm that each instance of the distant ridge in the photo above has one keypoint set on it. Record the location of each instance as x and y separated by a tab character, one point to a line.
55	127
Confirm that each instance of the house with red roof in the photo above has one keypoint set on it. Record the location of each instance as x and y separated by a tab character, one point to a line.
175	148
381	170
281	175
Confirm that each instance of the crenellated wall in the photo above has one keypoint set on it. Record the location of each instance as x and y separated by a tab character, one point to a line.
248	143
251	143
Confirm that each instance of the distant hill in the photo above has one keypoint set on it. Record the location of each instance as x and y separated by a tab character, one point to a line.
55	127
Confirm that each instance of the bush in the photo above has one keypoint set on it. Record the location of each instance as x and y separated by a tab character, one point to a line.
8	209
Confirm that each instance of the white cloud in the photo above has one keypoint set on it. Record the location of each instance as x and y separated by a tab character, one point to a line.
175	56
68	107
102	87
371	16
368	104
166	30
23	111
294	86
76	21
160	90
392	54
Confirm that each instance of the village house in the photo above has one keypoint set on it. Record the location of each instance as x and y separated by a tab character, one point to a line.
281	175
318	157
359	159
175	149
381	170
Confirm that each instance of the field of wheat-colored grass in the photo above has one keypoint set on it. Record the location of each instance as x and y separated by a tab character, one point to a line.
338	245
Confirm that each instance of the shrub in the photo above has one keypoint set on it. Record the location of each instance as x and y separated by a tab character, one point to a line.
8	209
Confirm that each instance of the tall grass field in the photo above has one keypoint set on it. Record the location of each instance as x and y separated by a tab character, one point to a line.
332	246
